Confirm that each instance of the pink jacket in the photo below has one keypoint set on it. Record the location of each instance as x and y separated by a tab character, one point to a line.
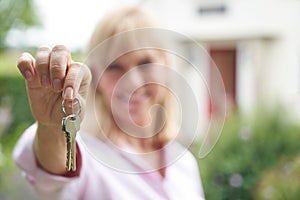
107	173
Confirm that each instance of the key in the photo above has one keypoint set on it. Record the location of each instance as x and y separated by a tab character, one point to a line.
68	162
71	125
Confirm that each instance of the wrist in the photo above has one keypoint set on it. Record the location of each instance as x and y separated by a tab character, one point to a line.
45	130
50	148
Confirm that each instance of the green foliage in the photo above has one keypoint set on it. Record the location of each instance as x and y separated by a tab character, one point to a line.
12	185
281	181
15	117
13	96
246	148
14	107
18	15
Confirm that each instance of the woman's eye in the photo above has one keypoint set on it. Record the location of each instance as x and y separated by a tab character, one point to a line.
145	62
114	67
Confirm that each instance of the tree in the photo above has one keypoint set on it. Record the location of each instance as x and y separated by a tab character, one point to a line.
16	14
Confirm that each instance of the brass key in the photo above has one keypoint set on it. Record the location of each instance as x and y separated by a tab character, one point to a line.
71	125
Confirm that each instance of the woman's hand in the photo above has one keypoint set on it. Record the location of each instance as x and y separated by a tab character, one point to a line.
51	77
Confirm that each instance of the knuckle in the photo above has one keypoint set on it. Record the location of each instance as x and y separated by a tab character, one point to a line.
71	77
60	48
42	57
70	80
57	71
44	48
60	54
56	68
73	74
40	64
22	61
75	65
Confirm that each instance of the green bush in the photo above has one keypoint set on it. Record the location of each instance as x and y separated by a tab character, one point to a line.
15	117
13	96
14	107
281	181
246	148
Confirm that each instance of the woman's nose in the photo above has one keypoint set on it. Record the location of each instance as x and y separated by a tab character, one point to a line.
132	80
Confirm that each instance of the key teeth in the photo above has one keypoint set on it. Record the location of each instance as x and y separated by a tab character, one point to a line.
70	163
63	125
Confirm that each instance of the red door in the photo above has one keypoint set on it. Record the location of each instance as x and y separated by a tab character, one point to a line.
225	60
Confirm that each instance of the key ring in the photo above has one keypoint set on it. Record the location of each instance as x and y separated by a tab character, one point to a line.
64	109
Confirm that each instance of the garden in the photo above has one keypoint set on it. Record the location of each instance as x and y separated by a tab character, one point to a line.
256	157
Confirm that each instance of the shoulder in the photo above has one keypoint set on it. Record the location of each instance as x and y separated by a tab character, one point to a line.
184	169
181	156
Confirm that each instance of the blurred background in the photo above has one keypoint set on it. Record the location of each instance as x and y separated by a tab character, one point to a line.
256	47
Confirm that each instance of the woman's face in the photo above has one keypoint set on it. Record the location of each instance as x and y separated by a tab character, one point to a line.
132	84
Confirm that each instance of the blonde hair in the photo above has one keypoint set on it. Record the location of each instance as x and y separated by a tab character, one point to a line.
121	20
118	21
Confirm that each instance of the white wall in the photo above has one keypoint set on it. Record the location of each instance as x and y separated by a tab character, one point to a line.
267	34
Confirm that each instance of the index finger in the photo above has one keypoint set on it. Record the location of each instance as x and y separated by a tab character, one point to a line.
25	65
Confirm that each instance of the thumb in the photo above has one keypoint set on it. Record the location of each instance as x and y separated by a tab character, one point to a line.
76	81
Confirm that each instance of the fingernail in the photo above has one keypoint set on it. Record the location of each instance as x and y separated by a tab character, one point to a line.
68	94
57	84
28	75
45	81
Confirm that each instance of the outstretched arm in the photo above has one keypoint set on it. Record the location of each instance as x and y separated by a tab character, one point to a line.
51	77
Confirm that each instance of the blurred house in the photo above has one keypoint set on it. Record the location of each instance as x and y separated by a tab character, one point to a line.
255	45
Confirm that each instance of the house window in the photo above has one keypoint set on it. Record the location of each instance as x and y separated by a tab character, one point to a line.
212	9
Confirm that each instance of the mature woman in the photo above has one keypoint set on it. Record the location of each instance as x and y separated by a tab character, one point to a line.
125	147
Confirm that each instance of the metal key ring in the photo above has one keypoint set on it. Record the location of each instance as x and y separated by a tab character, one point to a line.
64	109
